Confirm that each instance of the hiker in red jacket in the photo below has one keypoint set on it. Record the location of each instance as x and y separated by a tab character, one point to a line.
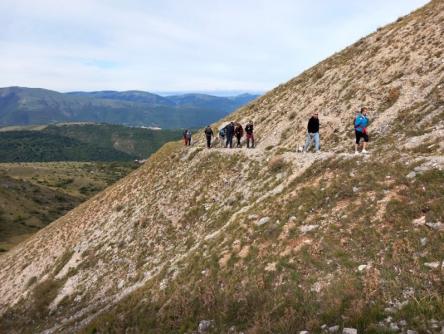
239	132
250	135
184	135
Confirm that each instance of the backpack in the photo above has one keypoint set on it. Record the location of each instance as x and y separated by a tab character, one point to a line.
222	132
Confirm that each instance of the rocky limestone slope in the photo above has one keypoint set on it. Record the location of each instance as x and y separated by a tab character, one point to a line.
266	240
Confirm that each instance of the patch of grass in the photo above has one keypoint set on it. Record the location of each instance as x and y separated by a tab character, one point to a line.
43	294
62	261
277	164
392	96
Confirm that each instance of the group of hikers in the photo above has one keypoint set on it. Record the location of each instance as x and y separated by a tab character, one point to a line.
235	129
226	135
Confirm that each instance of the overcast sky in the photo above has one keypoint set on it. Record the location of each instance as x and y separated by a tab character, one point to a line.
178	45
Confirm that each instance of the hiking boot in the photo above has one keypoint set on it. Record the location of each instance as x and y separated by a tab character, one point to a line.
356	152
364	151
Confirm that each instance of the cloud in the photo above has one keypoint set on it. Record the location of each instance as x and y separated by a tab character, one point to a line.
178	45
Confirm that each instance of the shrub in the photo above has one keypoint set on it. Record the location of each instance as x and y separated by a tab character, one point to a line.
392	96
277	164
43	294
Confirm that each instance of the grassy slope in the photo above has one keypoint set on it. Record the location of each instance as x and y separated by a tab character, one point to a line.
265	279
34	194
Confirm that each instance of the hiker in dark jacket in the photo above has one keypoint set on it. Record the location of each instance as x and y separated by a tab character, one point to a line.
250	135
238	132
229	133
187	137
209	134
184	135
312	133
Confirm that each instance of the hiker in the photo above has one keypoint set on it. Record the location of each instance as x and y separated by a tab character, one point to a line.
222	135
188	138
312	133
184	135
239	132
249	132
209	134
361	123
229	132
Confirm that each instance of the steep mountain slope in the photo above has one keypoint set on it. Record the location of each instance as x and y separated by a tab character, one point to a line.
23	106
266	240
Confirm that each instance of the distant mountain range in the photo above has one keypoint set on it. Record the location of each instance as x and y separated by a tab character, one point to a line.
25	106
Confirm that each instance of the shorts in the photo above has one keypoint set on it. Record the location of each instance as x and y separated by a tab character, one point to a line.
250	136
360	135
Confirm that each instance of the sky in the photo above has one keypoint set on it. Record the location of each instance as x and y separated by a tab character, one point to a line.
178	45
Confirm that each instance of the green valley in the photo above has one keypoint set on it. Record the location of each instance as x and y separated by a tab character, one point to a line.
81	142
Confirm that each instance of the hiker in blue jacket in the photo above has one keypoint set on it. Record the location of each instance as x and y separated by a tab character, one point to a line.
361	123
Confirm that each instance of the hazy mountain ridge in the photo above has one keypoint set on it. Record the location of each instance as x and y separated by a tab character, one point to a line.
22	106
267	240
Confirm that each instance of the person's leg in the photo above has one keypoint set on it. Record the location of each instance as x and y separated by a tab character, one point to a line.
357	135
307	142
252	140
317	141
365	143
248	141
